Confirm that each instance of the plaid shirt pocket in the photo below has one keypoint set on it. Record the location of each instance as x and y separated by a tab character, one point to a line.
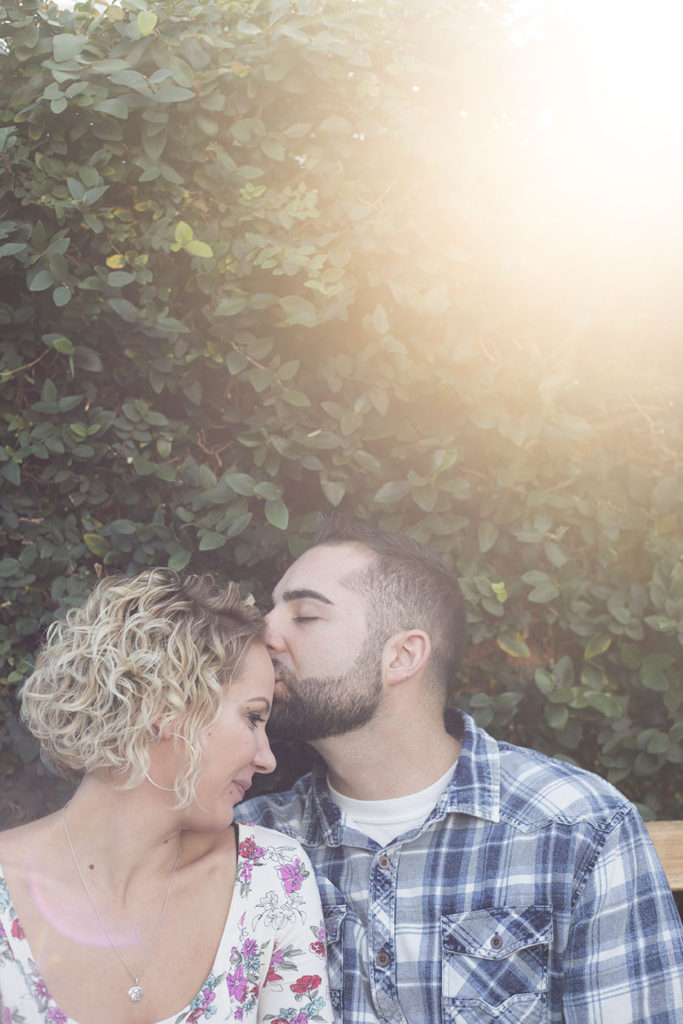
495	965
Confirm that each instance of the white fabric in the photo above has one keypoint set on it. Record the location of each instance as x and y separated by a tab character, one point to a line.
383	820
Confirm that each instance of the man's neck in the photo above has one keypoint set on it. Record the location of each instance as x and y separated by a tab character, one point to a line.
376	764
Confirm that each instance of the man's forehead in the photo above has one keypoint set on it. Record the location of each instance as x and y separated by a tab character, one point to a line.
322	569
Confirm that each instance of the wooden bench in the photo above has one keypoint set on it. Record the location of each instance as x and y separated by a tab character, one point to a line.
668	839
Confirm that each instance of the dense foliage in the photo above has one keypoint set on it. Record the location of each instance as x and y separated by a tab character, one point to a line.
263	257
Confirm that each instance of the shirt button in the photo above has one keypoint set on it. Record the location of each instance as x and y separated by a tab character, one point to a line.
496	941
384	861
382	959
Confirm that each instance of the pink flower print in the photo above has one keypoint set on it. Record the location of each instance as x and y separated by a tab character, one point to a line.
237	985
7	1016
246	872
17	930
318	948
41	989
247	847
301	1018
292	876
249	948
239	1013
306	983
55	1016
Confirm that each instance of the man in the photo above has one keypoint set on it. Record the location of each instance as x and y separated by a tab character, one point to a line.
463	880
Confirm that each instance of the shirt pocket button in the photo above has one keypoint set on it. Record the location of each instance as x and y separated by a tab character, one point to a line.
496	941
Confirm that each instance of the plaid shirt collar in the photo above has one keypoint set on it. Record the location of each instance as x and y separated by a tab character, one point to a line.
474	788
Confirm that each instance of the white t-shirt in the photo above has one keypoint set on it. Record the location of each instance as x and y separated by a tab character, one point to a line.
383	820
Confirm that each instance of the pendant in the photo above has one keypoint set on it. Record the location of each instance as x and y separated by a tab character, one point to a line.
135	994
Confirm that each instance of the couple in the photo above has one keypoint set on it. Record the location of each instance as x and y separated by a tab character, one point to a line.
462	880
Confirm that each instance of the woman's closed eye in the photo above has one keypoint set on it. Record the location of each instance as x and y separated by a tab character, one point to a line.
255	718
306	618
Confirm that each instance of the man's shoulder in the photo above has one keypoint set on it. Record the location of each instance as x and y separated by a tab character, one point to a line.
284	812
536	789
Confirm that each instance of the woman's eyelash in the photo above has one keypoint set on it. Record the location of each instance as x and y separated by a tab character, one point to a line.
305	618
254	717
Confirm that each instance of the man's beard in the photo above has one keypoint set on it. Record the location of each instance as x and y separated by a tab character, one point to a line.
315	709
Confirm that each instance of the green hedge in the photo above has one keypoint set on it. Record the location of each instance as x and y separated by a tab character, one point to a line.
265	258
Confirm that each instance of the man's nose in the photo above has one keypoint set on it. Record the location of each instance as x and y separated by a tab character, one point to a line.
274	641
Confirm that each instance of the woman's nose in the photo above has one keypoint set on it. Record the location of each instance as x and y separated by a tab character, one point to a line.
265	762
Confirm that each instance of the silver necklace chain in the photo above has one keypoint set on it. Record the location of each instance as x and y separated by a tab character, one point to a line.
135	992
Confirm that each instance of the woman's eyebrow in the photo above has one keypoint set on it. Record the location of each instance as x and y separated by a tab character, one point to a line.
298	595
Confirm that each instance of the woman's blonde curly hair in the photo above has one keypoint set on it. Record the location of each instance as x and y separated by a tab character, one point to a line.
141	655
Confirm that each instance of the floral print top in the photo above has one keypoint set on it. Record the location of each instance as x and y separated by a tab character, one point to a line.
270	965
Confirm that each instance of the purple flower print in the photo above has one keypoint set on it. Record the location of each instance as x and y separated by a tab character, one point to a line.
292	876
276	960
249	948
55	1016
237	985
246	872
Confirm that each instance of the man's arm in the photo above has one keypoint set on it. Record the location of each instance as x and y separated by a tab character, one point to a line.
624	963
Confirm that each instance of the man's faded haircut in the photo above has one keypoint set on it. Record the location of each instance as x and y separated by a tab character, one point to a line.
407	586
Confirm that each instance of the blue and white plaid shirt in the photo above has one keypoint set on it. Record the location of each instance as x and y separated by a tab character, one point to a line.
531	894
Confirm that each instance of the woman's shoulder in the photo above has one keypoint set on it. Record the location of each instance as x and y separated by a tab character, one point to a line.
16	843
265	846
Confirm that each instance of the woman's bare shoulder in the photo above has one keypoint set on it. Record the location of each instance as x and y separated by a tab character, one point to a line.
20	843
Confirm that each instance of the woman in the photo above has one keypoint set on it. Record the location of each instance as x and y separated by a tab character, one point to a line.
141	901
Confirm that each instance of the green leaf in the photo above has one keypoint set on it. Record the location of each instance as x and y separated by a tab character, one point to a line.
393	492
11	472
147	22
201	249
544	593
239	525
66	46
115	107
183	233
38	280
296	398
123	526
299	311
488	535
514	645
99	546
277	514
653	677
556	715
333	490
211	540
64	346
241	483
597	645
179	559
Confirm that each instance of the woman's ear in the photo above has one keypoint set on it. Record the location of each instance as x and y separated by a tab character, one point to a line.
405	655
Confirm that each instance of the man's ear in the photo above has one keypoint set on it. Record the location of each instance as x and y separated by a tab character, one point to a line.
405	654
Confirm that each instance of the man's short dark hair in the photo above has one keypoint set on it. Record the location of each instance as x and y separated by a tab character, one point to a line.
408	586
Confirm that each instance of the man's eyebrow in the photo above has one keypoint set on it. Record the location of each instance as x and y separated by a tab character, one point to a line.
298	595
